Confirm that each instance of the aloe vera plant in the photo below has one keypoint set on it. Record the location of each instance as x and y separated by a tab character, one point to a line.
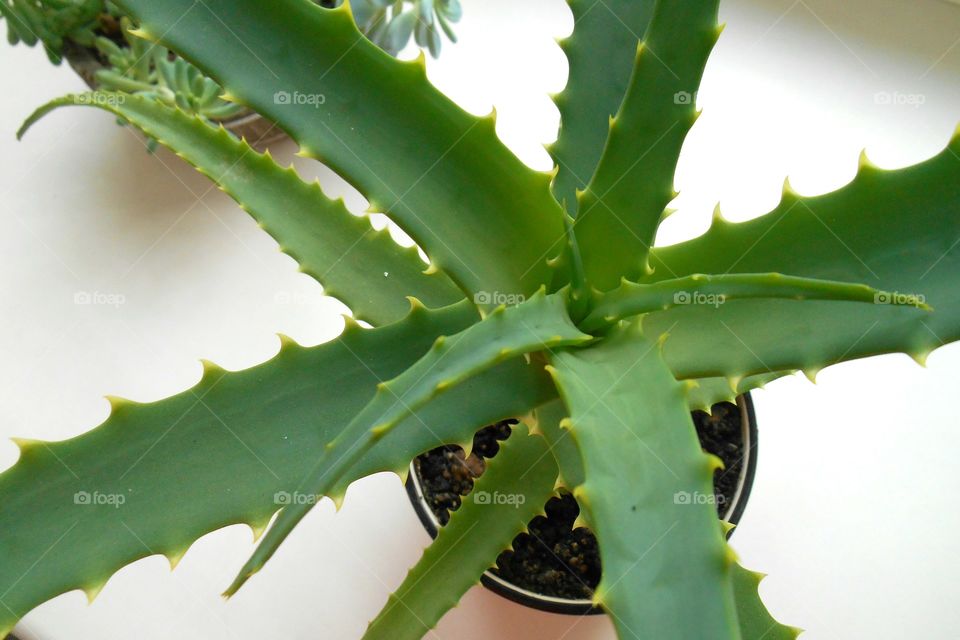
544	298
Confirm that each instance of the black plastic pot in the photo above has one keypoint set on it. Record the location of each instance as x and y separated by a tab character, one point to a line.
581	607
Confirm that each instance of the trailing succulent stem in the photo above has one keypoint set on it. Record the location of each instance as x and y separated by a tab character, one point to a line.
542	300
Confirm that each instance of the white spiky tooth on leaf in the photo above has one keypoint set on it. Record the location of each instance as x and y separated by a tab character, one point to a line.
257	529
718	215
140	32
93	592
734	382
286	342
210	367
788	191
116	402
714	463
175	558
920	358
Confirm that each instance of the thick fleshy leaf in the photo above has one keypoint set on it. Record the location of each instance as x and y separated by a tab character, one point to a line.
632	299
537	324
511	492
601	51
362	267
707	392
754	620
546	421
440	173
663	554
756	623
155	477
620	210
895	230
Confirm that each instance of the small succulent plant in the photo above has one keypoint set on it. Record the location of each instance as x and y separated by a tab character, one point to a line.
148	69
544	299
133	65
391	23
51	23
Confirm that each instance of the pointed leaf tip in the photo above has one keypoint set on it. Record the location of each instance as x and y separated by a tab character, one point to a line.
116	402
210	367
286	342
257	529
141	32
415	305
93	591
734	383
788	191
718	215
175	558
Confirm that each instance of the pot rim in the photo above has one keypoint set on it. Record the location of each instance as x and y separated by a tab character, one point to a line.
553	604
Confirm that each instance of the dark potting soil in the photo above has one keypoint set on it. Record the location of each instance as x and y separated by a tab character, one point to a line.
553	558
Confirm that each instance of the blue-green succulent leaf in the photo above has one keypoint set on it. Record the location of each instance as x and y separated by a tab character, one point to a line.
666	567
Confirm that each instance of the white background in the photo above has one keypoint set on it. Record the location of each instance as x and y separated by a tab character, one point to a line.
854	509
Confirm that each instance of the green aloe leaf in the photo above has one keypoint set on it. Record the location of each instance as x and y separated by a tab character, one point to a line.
703	393
437	171
547	421
632	299
891	229
756	623
509	332
518	482
663	556
754	620
601	51
620	210
233	449
363	267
